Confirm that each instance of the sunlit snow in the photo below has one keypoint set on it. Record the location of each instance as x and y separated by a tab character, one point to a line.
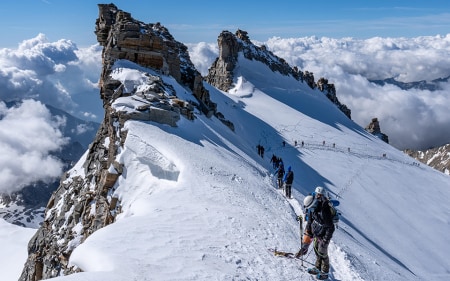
199	203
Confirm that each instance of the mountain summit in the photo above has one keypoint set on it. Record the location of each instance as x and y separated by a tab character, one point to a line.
171	190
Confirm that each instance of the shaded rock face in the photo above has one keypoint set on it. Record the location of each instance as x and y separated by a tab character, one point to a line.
80	206
84	201
220	74
330	91
437	158
374	129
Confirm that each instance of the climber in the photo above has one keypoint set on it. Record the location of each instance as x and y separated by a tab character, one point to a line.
288	179
280	173
320	229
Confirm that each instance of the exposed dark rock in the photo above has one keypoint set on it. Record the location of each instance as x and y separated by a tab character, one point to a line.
330	91
437	158
374	129
149	45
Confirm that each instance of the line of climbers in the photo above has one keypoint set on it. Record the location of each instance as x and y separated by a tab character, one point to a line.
319	213
333	146
284	179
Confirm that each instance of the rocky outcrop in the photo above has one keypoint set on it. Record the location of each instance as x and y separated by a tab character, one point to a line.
437	158
330	92
221	75
149	45
84	201
374	129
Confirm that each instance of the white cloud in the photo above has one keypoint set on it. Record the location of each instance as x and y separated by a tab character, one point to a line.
28	134
55	73
89	115
203	55
82	128
411	119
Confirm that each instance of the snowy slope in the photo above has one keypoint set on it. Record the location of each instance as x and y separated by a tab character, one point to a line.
199	203
13	242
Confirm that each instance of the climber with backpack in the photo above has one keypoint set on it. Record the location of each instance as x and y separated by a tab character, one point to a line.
336	214
319	230
280	174
288	179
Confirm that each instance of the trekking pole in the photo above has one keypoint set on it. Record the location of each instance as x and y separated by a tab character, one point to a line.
300	223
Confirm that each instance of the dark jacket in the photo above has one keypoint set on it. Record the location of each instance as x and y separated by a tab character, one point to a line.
320	221
280	172
289	177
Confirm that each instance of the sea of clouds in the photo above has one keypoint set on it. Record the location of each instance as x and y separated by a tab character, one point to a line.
65	76
55	73
28	134
35	73
417	119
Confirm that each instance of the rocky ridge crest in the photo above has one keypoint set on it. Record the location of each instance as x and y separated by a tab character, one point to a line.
84	201
220	74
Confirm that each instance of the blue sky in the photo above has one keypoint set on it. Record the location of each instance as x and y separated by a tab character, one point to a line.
202	21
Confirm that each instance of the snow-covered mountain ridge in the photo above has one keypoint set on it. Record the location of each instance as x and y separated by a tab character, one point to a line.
221	73
437	158
194	201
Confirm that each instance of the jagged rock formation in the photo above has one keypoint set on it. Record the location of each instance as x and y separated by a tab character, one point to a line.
149	45
220	74
374	129
81	199
437	158
330	91
84	202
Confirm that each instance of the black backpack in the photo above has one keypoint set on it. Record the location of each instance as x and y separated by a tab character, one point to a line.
334	213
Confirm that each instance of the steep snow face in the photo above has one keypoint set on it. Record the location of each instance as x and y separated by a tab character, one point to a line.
199	203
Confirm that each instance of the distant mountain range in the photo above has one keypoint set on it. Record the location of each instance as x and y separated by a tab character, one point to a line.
26	207
421	85
437	158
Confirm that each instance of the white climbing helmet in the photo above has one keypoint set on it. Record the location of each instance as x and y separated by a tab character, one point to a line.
320	190
309	201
